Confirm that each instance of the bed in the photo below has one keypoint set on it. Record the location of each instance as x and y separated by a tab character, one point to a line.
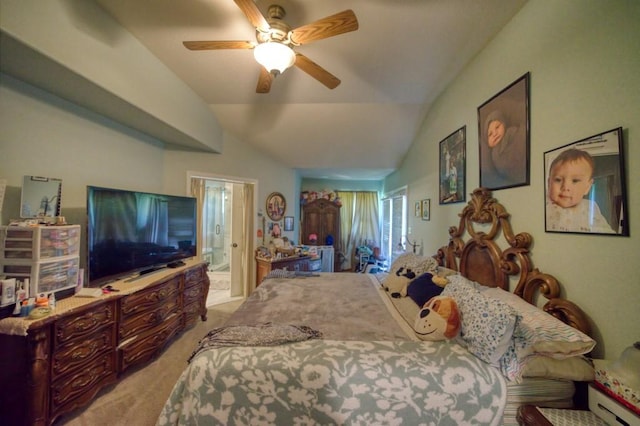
336	348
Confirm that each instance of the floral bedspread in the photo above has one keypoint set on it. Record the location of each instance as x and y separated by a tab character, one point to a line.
333	382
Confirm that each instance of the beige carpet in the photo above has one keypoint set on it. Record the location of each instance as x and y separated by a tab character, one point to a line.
137	399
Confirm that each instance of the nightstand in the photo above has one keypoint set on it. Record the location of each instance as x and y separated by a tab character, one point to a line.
607	408
603	411
529	415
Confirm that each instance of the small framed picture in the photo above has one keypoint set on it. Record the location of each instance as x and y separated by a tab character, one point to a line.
426	209
418	209
453	165
288	223
503	135
585	188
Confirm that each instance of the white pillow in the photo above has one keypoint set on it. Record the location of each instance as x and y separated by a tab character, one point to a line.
577	368
417	263
541	333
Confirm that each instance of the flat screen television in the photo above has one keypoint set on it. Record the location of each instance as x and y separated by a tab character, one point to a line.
133	232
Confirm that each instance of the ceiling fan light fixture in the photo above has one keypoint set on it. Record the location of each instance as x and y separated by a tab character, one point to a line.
275	57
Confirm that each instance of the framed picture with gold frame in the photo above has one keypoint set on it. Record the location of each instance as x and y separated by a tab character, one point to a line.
276	206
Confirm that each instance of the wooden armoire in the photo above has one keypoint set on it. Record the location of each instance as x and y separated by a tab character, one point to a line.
322	217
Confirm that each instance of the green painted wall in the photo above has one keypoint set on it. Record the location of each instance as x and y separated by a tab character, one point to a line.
584	58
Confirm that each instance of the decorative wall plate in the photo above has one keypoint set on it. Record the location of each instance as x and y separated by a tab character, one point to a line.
276	206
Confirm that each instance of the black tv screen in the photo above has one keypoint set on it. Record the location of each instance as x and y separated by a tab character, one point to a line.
131	232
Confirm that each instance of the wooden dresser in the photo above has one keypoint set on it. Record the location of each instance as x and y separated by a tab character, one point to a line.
293	263
52	366
322	218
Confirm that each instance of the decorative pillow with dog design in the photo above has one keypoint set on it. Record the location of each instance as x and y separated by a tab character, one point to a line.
439	319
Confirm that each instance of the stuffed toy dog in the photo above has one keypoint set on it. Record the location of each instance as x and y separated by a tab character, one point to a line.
397	283
426	286
439	319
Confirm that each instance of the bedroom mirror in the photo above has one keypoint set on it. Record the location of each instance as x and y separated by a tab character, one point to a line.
40	197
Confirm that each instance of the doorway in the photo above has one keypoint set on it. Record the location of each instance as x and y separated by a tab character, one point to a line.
224	205
217	223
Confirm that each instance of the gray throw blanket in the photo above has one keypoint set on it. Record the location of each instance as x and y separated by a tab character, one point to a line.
255	335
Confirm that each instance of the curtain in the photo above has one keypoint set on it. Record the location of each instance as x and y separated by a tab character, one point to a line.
359	223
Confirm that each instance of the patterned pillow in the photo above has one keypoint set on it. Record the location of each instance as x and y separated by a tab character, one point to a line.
487	325
541	333
417	263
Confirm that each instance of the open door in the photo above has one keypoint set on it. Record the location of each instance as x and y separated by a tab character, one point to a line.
226	210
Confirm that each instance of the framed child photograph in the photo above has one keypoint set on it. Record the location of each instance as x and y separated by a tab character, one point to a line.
453	163
585	188
503	136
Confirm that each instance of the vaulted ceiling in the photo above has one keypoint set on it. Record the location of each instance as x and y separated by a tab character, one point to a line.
403	55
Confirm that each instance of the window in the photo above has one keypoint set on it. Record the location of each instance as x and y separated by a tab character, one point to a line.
394	224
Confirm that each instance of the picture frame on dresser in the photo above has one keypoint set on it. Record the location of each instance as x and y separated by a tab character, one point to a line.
40	197
585	186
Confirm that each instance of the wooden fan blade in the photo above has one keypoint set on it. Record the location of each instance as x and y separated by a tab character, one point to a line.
330	26
264	81
253	14
316	71
214	45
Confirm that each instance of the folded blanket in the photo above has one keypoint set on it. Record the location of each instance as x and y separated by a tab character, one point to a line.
255	335
283	273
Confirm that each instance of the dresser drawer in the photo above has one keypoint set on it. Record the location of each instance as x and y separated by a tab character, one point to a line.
83	324
314	265
194	293
192	311
150	298
139	323
72	356
145	347
77	389
194	276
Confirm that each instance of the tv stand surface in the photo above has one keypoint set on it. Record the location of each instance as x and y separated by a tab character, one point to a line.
57	364
176	264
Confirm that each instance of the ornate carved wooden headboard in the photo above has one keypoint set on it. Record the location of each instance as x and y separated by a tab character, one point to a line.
473	250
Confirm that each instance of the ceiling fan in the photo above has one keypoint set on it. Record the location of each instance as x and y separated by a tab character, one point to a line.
275	40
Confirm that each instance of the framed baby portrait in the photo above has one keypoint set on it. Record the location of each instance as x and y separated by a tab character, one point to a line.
585	188
453	167
503	136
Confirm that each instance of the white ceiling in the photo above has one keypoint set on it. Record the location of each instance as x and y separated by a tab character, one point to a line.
392	68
